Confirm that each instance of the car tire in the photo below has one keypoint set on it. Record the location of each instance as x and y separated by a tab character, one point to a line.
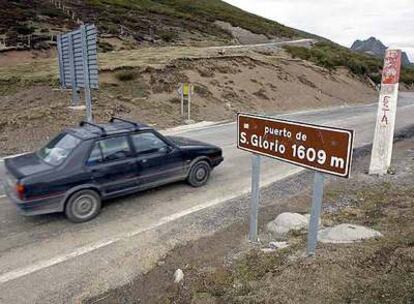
199	174
83	206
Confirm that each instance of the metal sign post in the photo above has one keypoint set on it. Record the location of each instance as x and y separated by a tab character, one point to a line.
185	90
387	110
189	105
75	96
319	148
317	198
254	208
181	93
78	67
86	75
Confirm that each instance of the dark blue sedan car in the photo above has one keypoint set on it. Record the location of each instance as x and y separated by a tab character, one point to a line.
83	166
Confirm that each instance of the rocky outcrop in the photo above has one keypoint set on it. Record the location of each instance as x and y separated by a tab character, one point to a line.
375	47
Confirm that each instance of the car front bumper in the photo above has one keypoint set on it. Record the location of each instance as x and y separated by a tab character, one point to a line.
217	161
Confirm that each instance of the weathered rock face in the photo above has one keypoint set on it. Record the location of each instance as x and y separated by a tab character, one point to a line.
372	46
286	222
347	233
375	47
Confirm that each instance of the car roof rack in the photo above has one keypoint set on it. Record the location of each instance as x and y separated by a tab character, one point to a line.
126	121
83	123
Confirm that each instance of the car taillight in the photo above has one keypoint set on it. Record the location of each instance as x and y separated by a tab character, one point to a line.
20	191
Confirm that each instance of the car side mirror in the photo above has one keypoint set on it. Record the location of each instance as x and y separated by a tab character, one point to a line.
166	149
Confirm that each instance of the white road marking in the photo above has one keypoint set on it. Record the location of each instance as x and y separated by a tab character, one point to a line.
24	271
3	196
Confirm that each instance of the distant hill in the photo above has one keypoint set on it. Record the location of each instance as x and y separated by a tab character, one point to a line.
135	21
373	46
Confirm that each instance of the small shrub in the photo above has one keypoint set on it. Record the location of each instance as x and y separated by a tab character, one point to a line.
407	76
175	100
52	12
168	36
202	90
298	52
23	29
105	47
126	75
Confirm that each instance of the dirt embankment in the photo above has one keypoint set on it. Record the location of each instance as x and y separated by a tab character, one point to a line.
222	269
225	85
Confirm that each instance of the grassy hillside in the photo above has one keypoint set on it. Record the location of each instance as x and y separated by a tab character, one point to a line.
186	12
332	56
144	20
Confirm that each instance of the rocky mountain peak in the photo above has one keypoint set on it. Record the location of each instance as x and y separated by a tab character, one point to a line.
375	47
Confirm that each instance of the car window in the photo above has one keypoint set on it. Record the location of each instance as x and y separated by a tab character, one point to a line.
96	155
59	148
115	148
145	143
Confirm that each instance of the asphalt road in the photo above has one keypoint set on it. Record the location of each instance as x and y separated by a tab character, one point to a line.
47	259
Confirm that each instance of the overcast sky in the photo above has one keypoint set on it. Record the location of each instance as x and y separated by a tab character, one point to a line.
343	21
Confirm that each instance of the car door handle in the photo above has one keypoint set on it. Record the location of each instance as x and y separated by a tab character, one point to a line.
143	161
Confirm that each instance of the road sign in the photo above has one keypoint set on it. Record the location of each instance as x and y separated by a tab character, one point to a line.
78	58
320	148
78	67
188	89
387	110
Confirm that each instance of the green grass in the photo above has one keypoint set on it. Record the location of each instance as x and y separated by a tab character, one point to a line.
332	56
168	18
197	15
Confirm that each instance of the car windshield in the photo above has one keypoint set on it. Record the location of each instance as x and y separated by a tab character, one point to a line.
57	150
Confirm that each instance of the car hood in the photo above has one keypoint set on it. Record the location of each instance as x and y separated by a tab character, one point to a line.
183	142
25	165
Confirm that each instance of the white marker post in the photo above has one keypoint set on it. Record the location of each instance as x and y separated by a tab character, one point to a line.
387	110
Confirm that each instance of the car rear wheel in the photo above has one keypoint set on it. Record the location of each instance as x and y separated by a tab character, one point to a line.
199	174
83	206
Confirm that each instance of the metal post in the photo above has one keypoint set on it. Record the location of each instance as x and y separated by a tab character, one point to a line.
182	100
254	208
315	213
75	96
189	103
86	77
88	100
61	70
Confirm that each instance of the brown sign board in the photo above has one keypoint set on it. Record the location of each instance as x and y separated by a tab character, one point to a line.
321	148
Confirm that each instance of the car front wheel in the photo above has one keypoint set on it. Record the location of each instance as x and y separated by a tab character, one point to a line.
199	174
83	206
